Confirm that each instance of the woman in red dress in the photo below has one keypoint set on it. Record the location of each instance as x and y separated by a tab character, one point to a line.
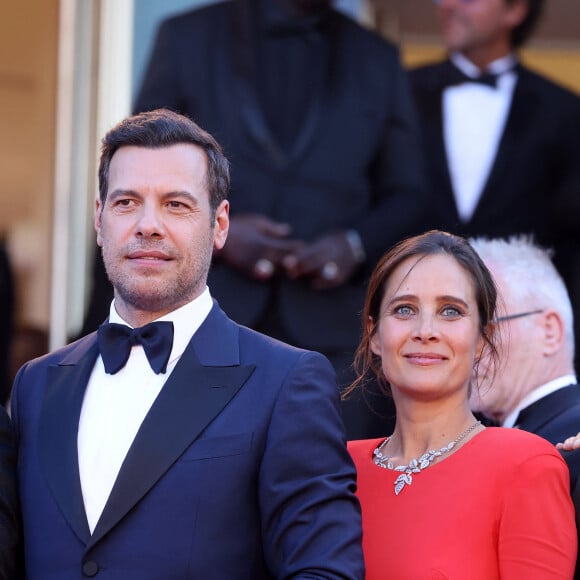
443	496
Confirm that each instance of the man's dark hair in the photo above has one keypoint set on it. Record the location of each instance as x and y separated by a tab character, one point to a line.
523	31
162	128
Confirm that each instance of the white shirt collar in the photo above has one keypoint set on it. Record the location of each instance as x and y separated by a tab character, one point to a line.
537	394
186	320
497	67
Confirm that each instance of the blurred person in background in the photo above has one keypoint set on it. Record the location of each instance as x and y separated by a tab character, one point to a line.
534	387
501	142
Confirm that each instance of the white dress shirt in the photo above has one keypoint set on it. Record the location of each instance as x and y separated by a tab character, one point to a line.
537	394
474	118
114	406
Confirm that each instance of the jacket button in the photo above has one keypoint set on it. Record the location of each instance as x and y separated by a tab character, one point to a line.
90	568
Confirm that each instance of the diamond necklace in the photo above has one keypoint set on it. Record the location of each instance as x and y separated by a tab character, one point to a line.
415	465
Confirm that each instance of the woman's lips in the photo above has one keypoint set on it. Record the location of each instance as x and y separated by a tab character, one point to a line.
425	358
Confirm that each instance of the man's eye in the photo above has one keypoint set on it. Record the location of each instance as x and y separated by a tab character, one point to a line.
177	205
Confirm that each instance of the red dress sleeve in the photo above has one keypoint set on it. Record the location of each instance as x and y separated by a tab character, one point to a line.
537	534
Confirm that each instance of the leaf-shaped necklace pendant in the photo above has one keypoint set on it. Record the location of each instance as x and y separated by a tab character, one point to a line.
415	465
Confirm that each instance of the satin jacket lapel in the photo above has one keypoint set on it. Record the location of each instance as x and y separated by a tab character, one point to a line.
58	428
192	397
329	52
513	138
538	414
241	63
434	133
238	76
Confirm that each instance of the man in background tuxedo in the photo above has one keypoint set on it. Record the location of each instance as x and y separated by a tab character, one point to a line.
534	387
315	114
174	443
502	142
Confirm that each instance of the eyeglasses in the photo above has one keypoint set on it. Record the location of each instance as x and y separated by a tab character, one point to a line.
519	315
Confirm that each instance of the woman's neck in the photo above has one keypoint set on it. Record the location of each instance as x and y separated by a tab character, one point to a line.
421	429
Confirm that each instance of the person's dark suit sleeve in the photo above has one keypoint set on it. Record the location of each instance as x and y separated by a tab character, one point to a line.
9	518
311	521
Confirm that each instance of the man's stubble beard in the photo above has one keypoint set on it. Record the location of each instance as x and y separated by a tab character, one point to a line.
165	294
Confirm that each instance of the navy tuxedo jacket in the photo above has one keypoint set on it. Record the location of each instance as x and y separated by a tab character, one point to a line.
534	183
355	162
238	471
556	417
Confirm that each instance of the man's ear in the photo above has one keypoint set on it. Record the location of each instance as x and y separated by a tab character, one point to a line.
516	12
221	224
553	327
98	222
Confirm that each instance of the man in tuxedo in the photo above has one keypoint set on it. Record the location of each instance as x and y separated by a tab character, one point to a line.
501	142
315	114
172	442
534	387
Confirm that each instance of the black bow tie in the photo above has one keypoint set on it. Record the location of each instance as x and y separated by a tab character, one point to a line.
116	340
455	76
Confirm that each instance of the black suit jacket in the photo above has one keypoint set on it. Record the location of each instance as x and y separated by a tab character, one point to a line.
556	417
534	183
9	513
239	470
353	163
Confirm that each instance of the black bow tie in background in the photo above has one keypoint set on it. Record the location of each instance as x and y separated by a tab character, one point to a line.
455	76
116	340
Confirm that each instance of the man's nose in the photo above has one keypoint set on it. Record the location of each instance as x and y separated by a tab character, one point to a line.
150	222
